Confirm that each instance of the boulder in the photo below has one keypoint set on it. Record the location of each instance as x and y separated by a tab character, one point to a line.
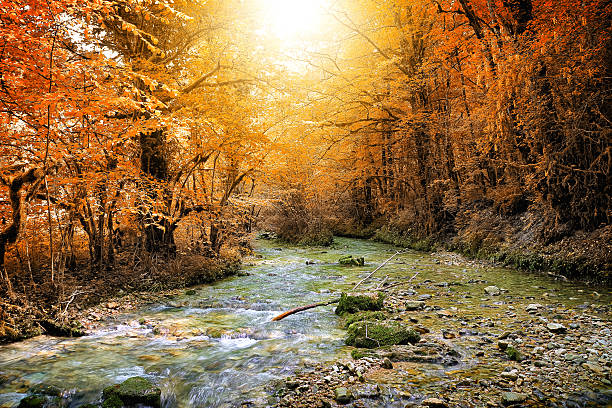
492	290
133	391
350	261
372	334
33	401
353	303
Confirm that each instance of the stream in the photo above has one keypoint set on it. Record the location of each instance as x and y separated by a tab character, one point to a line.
215	346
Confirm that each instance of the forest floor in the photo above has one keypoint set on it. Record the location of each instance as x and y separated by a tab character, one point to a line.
511	350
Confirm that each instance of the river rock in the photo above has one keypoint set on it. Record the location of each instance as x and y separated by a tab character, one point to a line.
533	307
133	391
511	398
386	363
414	305
492	290
434	403
372	334
596	368
556	327
365	391
350	261
343	395
353	303
33	401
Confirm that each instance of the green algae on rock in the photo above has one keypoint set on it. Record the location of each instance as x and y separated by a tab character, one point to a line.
135	390
33	401
353	303
360	316
372	334
350	261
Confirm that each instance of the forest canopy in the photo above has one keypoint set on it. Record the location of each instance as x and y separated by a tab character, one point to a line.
139	131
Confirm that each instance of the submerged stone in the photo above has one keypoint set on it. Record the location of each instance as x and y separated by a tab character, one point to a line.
514	354
492	290
133	391
372	334
434	403
353	303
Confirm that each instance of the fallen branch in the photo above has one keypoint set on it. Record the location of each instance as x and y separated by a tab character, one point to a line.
402	283
377	269
302	308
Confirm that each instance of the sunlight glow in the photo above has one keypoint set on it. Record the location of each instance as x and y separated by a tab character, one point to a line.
293	19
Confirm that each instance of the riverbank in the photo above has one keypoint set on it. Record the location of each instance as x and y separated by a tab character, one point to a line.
72	308
480	346
521	241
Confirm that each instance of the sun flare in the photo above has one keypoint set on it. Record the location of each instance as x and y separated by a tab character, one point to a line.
293	19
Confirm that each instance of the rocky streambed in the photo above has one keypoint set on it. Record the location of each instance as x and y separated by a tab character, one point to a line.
471	334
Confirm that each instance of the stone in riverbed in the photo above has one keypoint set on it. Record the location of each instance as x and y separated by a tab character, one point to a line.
556	327
514	354
353	303
386	363
533	307
133	391
414	305
343	395
434	403
372	334
492	290
350	261
511	398
33	401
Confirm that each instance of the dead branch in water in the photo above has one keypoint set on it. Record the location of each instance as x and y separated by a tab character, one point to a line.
302	308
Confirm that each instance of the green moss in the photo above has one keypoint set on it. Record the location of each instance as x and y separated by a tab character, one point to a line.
350	261
112	402
135	390
356	303
514	354
45	390
372	334
360	316
361	353
32	401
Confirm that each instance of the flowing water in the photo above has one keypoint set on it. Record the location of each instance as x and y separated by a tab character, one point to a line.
217	347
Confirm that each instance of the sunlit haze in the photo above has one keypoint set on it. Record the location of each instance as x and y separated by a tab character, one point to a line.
293	19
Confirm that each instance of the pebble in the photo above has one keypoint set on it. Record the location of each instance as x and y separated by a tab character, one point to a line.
556	327
434	403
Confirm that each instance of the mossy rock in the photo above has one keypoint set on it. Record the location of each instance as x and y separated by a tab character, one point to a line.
112	402
514	354
44	389
350	261
354	303
372	334
133	391
360	316
33	401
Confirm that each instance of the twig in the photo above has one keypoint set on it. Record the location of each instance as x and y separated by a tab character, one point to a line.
379	266
403	283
